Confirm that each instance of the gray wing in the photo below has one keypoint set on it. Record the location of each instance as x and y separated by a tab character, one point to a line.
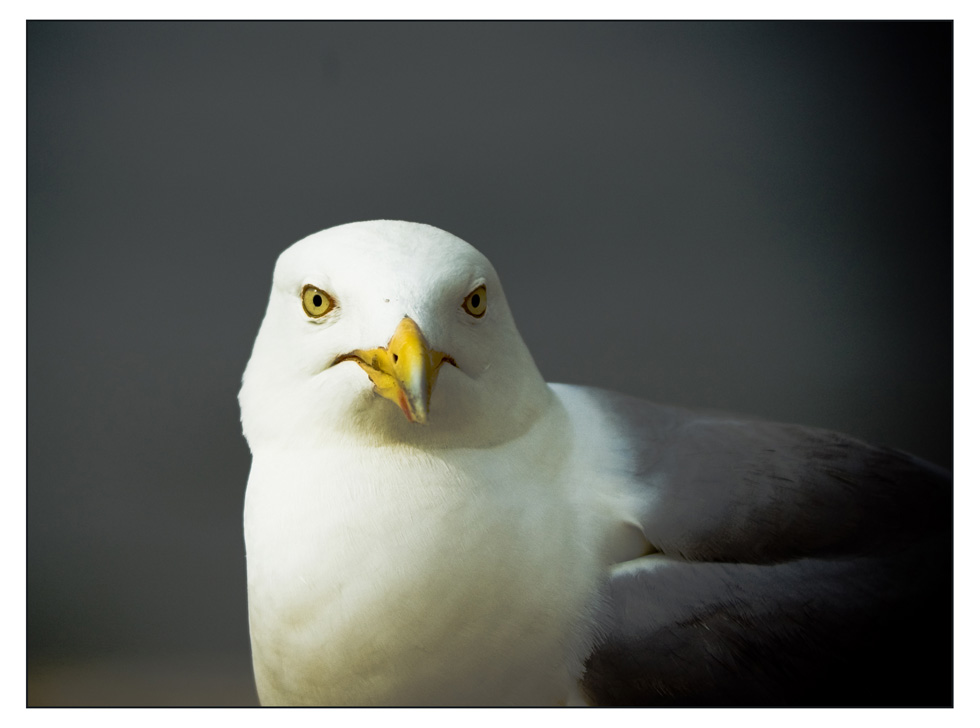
792	566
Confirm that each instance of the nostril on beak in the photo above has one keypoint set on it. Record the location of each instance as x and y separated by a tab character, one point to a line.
395	358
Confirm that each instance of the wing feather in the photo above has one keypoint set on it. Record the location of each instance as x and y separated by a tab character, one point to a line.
796	566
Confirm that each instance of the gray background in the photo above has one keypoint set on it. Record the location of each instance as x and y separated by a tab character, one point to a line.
745	216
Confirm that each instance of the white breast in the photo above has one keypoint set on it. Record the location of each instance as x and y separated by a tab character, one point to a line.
393	576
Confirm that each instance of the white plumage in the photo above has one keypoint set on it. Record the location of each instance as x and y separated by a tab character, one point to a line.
470	560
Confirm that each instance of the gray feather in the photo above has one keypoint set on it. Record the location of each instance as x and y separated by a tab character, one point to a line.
797	566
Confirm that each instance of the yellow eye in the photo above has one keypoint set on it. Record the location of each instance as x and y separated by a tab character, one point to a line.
316	302
475	304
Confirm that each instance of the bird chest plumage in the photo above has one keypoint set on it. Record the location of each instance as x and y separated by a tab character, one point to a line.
411	578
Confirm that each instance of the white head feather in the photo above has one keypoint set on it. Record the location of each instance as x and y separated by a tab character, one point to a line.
293	395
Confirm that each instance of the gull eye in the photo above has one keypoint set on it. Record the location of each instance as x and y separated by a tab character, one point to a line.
316	302
475	304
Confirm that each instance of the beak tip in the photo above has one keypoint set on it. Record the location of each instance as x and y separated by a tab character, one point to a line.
415	414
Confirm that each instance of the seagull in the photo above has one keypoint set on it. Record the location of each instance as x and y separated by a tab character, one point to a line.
428	522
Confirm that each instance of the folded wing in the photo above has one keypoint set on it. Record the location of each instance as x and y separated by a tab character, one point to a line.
791	566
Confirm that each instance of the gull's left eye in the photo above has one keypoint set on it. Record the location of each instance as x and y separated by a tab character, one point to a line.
316	302
475	304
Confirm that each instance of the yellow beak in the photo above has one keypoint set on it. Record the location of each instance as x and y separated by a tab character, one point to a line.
405	370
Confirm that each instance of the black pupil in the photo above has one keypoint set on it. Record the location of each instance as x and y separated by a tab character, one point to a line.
475	300
317	300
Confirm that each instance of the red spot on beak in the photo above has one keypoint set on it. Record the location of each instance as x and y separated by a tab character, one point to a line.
403	403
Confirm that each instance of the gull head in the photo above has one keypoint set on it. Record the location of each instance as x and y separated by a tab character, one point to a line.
387	331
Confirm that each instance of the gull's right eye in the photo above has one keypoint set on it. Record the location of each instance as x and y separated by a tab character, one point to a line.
316	302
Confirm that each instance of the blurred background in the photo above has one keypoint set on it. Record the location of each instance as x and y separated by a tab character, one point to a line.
747	216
